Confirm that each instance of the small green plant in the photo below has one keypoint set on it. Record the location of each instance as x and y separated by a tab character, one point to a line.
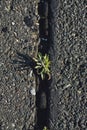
45	128
42	65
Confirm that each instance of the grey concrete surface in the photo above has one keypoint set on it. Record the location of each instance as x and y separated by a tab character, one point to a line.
68	51
19	31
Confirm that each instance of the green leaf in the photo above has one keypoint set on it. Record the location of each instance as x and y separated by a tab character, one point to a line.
38	63
37	67
36	60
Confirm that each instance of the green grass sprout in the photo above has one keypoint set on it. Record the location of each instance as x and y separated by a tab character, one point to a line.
43	65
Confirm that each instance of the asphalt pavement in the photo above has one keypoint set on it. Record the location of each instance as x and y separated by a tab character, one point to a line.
19	30
68	52
64	26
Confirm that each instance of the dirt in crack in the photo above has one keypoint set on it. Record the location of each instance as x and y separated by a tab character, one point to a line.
42	104
43	91
43	26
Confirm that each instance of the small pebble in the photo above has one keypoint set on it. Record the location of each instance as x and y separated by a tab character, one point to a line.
13	125
79	92
13	23
33	92
31	73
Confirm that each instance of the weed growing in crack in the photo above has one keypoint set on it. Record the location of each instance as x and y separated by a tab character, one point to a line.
45	128
43	65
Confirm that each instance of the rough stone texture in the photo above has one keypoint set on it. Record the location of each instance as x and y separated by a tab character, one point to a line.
68	91
18	33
